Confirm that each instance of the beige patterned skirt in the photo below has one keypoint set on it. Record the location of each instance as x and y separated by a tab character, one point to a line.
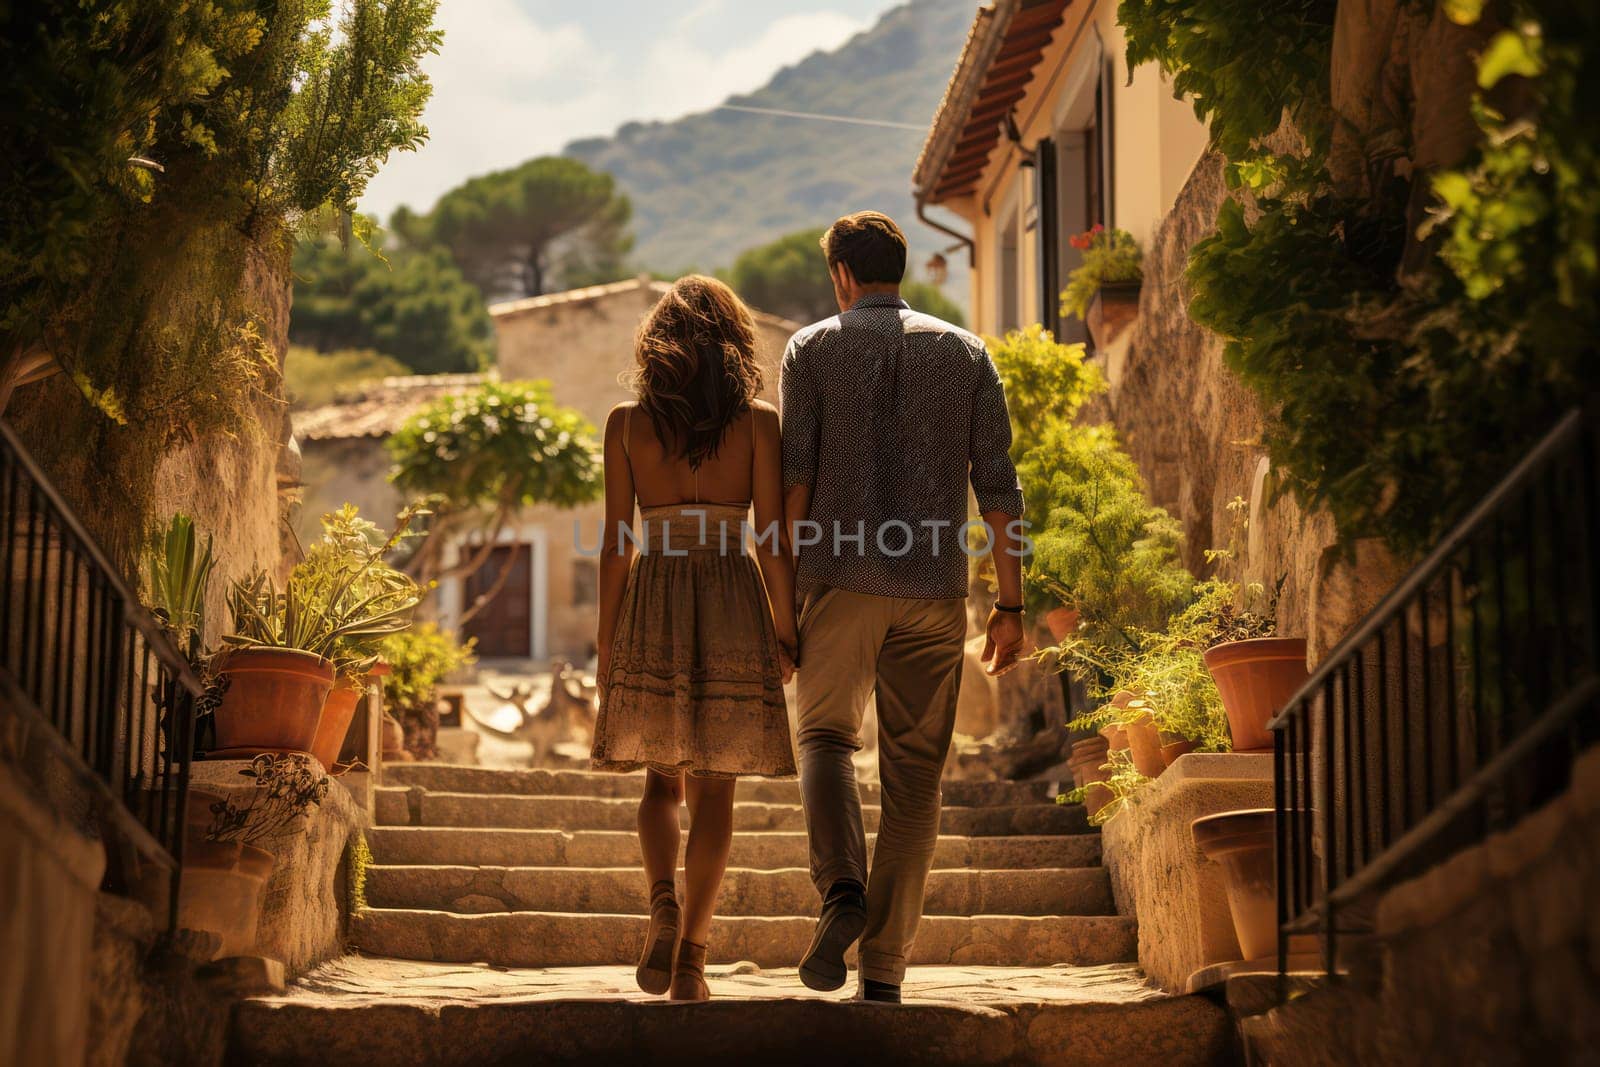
694	682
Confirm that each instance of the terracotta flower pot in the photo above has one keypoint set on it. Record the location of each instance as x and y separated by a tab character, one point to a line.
337	711
273	701
1062	621
1113	307
1256	678
1116	736
1171	750
394	740
1144	742
1088	768
220	892
1242	841
1087	756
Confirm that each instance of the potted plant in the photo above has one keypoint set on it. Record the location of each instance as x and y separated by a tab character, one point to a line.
1103	290
1255	670
287	648
419	659
1117	784
1243	842
220	892
225	867
178	569
354	544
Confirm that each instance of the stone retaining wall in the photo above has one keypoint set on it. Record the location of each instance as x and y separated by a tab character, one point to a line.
1160	877
1491	957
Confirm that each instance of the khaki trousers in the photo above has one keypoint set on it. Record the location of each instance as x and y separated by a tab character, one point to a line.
910	652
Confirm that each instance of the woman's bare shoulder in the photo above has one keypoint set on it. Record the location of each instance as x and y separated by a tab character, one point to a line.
616	416
763	410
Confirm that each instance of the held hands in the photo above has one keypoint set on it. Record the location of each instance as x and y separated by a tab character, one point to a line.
1005	642
788	659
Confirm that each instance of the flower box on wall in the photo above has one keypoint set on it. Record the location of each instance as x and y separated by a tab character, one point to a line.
1113	309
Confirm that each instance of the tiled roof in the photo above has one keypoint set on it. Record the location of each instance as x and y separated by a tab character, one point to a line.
642	284
585	295
377	409
1006	41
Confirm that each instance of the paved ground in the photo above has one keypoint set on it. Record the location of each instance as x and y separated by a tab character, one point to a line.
396	1013
354	979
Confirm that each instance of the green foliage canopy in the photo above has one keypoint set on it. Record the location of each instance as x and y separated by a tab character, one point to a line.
89	86
789	277
546	224
414	305
153	289
504	445
1396	396
1243	65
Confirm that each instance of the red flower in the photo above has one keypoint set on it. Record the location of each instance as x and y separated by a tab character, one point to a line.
1085	240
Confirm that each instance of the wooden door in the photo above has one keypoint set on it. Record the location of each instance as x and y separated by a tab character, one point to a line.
503	626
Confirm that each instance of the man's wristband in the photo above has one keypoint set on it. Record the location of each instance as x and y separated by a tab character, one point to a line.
1009	610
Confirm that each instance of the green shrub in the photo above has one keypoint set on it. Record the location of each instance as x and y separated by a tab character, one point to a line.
313	378
419	659
1100	545
1045	382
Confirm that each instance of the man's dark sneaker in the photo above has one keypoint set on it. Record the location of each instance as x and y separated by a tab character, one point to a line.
844	916
879	992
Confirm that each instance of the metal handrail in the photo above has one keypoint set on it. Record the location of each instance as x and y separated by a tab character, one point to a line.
1559	437
94	677
1457	705
134	612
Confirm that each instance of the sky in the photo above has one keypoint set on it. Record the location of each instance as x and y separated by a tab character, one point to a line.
521	78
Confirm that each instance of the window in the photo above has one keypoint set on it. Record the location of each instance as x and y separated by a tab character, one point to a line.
585	583
1074	172
1008	311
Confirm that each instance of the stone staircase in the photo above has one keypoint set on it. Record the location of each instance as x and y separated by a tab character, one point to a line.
506	910
541	869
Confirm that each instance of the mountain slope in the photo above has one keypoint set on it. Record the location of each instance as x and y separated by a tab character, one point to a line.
707	186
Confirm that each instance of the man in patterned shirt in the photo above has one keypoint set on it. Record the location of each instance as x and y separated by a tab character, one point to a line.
888	415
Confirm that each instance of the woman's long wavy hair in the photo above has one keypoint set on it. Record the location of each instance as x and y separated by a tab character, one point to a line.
697	370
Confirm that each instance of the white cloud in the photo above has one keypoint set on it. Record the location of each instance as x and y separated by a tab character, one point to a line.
507	87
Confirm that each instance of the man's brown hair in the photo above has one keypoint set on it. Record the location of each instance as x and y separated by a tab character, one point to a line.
870	244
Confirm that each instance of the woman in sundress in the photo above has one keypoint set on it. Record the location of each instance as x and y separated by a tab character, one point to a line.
696	638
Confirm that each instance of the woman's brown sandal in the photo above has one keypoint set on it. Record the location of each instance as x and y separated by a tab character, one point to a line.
657	963
689	975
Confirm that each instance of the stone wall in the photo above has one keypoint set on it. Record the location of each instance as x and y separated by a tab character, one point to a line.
1491	957
1195	430
1158	874
305	905
238	486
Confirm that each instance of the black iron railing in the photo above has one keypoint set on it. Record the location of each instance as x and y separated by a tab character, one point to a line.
1456	707
81	656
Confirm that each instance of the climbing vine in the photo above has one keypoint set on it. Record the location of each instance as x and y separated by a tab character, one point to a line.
1403	355
164	154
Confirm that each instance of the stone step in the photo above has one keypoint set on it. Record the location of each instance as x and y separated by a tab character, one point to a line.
512	811
442	846
403	1014
561	939
618	890
449	778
